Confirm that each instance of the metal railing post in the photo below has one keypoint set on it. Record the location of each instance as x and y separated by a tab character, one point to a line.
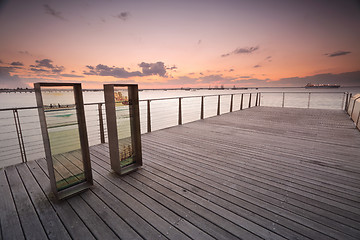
202	108
20	136
259	98
241	101
345	98
309	100
180	113
148	117
352	110
283	100
256	101
101	124
231	102
218	109
250	101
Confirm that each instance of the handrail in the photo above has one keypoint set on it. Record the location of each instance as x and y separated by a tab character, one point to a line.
152	113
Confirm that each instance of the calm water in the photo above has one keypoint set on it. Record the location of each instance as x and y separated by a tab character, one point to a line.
164	113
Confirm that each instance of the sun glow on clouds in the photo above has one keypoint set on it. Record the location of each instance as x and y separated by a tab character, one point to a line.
161	44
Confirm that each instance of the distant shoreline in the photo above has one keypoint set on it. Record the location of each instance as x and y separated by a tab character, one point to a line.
8	90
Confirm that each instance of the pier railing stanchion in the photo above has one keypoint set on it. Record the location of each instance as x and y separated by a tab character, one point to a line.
283	100
241	101
202	108
309	98
259	98
249	101
148	117
256	100
180	113
218	108
101	124
231	102
345	96
19	136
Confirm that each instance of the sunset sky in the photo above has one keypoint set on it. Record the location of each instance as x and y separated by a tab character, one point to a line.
184	43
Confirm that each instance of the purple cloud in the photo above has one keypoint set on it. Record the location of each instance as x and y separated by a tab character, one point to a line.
337	53
53	12
247	50
17	64
46	65
157	68
123	16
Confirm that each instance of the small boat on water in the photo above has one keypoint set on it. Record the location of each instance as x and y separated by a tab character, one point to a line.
310	85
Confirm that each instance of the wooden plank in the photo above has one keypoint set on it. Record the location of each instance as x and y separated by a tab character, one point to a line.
111	218
264	212
96	225
207	226
106	194
92	221
29	219
263	175
203	162
175	220
9	219
70	219
136	204
283	174
238	189
49	219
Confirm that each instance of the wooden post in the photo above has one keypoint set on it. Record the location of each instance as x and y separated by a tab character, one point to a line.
256	101
101	124
180	117
202	108
283	100
309	100
250	101
241	101
148	117
231	102
218	109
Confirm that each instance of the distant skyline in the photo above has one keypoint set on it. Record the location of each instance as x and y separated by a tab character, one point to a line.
187	43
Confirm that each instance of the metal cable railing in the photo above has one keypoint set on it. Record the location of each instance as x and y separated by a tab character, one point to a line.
21	138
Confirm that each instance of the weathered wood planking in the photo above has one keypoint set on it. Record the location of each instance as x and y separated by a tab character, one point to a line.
261	173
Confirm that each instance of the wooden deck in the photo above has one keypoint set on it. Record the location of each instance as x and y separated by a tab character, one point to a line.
260	173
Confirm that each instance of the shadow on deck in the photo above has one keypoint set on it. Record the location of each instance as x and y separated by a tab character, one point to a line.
260	173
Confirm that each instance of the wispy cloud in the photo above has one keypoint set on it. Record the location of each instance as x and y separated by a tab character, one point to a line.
246	50
25	53
257	66
337	53
49	10
147	69
71	75
123	16
45	65
17	64
157	68
8	81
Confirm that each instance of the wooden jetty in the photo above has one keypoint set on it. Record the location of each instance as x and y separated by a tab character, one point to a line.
260	173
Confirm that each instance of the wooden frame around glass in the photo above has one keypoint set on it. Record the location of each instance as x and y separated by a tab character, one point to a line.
65	138
123	126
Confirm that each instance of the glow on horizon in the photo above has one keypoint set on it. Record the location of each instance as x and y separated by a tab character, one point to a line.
197	43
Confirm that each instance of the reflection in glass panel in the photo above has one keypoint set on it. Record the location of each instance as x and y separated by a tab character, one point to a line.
63	130
122	107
